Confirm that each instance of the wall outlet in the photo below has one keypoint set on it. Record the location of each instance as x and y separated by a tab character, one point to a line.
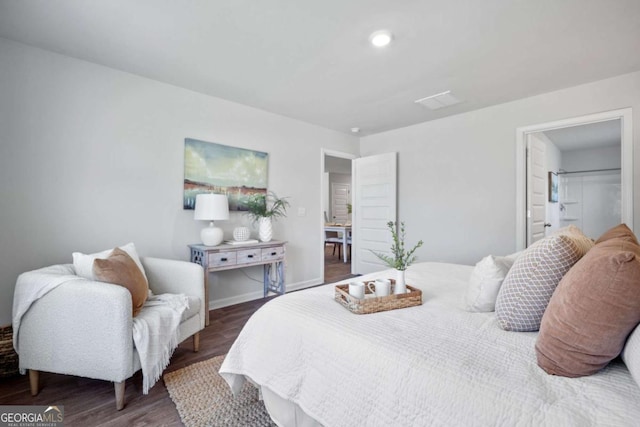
302	211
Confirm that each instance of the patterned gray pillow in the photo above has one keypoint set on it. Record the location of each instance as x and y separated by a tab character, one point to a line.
527	289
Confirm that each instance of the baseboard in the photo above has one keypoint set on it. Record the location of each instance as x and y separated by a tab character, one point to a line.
250	296
304	285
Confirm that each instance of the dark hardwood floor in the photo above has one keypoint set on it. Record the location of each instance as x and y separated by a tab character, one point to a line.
335	269
90	402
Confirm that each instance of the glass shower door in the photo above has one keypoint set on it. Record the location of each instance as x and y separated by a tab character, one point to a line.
590	201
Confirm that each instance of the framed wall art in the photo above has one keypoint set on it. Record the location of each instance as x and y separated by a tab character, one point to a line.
215	168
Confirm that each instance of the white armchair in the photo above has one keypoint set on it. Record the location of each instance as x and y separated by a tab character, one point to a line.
84	328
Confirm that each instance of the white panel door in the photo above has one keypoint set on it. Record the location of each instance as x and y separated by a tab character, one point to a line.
375	179
340	194
536	190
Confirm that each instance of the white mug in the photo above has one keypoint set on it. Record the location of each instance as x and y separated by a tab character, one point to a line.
356	289
382	287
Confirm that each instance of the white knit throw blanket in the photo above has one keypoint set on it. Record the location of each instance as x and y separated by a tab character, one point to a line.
31	287
155	328
155	334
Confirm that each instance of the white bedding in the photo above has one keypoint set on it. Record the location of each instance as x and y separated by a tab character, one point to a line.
435	364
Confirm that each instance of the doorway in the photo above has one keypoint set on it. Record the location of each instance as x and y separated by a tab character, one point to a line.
576	171
336	209
374	194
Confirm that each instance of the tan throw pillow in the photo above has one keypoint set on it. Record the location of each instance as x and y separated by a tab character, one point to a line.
579	238
120	269
618	232
594	308
526	290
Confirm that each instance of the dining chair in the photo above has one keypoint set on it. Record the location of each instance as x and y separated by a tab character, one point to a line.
333	237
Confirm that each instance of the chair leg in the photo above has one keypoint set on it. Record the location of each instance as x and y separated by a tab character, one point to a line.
196	342
334	250
119	395
33	381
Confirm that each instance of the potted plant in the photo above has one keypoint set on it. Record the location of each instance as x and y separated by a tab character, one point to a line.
401	258
263	208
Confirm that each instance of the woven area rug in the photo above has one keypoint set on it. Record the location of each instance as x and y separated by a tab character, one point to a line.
203	398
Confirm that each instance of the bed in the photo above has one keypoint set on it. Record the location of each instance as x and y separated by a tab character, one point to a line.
316	363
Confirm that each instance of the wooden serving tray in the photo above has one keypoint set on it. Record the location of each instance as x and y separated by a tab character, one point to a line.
376	304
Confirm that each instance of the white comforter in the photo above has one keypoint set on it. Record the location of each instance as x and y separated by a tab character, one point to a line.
430	365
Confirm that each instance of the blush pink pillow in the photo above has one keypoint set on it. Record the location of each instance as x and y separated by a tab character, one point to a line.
594	308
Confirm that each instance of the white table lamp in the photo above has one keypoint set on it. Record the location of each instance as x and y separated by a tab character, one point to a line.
211	207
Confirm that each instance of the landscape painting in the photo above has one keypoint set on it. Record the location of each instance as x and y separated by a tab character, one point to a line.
221	169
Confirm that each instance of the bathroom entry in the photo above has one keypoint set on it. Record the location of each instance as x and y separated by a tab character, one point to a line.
524	212
585	163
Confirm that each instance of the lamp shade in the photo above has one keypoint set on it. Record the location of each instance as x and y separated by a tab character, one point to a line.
211	207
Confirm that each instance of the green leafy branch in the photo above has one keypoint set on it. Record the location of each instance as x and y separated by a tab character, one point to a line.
401	258
258	206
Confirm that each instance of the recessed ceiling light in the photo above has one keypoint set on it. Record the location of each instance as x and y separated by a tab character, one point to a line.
355	130
381	38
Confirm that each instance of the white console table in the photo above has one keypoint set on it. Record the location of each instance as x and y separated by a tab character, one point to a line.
227	257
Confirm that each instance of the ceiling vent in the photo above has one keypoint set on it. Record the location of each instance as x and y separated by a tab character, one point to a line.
439	100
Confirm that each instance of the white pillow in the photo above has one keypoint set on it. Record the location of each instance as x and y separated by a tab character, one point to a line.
486	279
83	264
631	354
514	256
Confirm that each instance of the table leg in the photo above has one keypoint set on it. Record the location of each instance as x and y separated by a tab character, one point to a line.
280	267
277	287
344	247
206	297
200	257
265	279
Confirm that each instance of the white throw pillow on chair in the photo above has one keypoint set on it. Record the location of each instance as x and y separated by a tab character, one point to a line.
83	263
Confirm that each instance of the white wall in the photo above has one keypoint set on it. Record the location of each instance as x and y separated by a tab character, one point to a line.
326	206
91	157
457	175
337	165
592	158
